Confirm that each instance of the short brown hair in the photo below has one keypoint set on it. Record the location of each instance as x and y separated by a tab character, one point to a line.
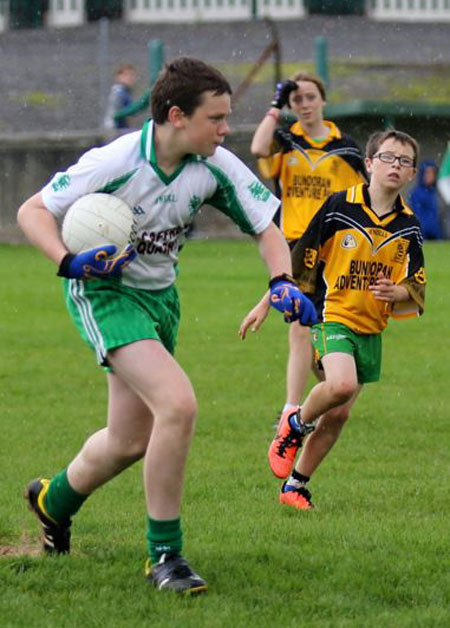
183	83
377	139
312	78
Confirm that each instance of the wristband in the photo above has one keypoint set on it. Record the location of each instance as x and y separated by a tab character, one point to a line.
65	264
272	114
282	277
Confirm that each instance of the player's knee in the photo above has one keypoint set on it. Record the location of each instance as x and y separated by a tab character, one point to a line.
183	410
341	391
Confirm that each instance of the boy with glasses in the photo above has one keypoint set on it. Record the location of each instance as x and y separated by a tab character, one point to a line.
361	261
309	160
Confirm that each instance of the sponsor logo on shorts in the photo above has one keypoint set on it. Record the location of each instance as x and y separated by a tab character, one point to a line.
336	337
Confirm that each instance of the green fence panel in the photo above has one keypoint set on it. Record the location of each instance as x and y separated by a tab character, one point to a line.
336	7
27	13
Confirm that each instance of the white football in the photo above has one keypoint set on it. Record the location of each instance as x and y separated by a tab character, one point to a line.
95	220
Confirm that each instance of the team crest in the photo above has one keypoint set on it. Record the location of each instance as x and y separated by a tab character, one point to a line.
419	276
292	161
310	258
334	168
195	202
259	191
61	183
349	242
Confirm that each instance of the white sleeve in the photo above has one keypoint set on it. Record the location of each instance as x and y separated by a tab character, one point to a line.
95	170
240	194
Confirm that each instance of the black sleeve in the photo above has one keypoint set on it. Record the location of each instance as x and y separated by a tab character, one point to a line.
305	254
415	280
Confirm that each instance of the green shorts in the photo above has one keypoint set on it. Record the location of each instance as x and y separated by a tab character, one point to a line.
338	338
109	315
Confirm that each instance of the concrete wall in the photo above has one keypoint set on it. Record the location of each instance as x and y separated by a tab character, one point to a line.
27	161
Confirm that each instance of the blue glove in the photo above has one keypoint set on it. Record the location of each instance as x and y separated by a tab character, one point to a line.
286	297
282	93
96	263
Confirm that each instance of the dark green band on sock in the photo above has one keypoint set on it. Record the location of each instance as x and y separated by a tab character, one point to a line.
61	501
163	537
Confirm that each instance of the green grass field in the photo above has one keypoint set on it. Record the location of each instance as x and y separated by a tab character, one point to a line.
373	554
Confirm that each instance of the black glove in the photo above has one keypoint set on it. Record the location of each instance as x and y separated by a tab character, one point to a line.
282	93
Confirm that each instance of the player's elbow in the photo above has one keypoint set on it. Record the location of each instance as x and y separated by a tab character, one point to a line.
23	215
258	150
28	209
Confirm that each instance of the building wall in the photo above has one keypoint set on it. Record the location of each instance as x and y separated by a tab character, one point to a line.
65	13
409	10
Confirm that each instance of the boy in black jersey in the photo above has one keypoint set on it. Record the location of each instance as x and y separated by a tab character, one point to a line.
361	258
309	160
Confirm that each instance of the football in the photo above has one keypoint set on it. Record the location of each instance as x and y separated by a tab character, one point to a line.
97	219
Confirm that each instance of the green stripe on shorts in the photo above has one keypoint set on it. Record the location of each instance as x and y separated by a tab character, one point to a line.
109	314
338	338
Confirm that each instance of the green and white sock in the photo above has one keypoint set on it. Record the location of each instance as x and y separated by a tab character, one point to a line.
163	537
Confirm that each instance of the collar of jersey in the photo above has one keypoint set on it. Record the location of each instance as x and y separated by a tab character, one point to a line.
148	153
334	133
359	195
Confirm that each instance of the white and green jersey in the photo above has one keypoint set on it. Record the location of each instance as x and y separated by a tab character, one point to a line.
164	206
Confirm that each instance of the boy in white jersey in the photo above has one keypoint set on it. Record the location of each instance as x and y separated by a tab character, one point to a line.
128	310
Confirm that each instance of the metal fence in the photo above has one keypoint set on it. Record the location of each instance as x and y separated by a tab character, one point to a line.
210	10
63	13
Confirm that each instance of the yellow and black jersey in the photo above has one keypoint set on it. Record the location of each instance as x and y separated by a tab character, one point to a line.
343	250
306	172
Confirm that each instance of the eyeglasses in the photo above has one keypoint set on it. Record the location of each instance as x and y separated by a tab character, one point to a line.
390	158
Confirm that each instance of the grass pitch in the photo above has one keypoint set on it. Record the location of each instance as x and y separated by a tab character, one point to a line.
374	552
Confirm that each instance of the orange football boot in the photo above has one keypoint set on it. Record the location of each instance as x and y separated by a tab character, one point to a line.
284	447
299	497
